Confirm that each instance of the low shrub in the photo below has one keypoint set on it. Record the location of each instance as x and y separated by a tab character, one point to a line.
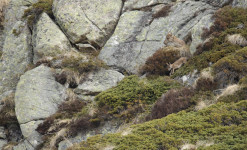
35	10
132	90
205	84
157	63
7	112
80	65
223	123
231	69
163	12
172	101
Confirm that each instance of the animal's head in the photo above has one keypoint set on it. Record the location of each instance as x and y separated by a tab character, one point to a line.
169	66
169	38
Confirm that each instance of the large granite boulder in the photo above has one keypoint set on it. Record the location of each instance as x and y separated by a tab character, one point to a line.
48	39
37	97
137	37
99	81
87	21
17	55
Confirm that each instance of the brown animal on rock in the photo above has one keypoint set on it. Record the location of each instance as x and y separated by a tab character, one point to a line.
173	41
177	64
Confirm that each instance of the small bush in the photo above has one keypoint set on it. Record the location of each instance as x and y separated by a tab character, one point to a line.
163	12
171	102
33	12
157	63
7	112
131	91
79	125
205	84
80	65
231	69
65	111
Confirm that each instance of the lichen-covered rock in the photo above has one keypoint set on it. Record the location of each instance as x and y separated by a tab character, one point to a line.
17	55
137	37
30	133
48	39
99	81
15	11
217	3
37	95
25	145
87	21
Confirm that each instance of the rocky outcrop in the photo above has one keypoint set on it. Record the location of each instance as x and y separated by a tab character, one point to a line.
99	81
197	32
137	37
48	39
37	97
17	55
87	21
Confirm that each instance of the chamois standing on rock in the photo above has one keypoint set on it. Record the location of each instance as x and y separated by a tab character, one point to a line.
180	45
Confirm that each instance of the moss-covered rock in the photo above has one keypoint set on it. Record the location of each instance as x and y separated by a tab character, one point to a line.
223	123
132	90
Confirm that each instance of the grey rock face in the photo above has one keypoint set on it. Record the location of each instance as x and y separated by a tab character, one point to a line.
30	133
37	97
240	3
217	3
136	38
87	21
17	55
205	23
3	139
25	145
138	4
2	143
99	81
48	39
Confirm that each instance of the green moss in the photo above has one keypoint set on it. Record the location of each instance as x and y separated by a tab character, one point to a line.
33	12
223	123
226	22
132	90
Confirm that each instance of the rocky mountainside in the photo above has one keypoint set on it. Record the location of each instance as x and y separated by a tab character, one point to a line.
123	74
